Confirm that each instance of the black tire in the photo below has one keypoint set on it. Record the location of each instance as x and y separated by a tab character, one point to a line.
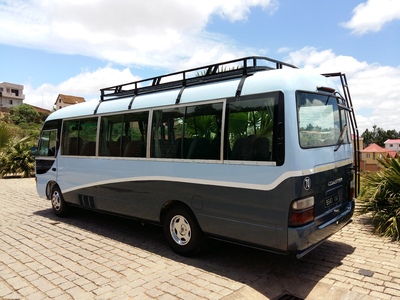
182	231
60	207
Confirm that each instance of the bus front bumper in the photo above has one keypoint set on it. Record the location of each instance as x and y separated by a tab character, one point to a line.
302	240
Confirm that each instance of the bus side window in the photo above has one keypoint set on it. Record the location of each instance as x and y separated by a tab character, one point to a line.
49	140
124	135
111	135
167	131
48	143
203	127
79	137
135	127
192	132
251	124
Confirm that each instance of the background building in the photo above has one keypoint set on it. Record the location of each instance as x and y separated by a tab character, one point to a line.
11	94
393	145
370	156
67	100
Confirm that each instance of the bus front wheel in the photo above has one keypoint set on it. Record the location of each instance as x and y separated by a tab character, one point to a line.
182	231
60	207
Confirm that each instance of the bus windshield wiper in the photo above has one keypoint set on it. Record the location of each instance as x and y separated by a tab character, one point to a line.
341	137
341	106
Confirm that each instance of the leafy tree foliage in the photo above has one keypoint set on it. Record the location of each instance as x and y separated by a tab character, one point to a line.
24	114
17	159
5	134
380	195
19	131
379	136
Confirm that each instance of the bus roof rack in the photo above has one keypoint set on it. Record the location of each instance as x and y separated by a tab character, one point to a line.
211	73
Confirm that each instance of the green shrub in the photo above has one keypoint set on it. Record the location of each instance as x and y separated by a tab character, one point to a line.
24	113
380	196
16	159
5	135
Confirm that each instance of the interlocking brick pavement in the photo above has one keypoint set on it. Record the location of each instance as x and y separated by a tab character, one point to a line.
94	256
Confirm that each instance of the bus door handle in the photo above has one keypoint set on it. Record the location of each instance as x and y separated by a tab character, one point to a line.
54	169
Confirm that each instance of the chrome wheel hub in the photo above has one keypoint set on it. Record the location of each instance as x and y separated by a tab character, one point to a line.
56	200
180	230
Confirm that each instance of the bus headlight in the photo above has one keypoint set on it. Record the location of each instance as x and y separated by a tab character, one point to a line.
301	211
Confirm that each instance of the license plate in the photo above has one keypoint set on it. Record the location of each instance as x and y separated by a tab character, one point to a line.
331	200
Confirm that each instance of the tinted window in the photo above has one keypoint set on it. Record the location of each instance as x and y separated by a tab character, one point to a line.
124	135
251	128
48	143
79	137
192	132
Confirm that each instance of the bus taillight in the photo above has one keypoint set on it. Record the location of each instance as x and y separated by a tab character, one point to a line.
301	212
352	186
352	190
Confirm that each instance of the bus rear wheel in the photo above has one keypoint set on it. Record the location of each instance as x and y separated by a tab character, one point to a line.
182	231
60	207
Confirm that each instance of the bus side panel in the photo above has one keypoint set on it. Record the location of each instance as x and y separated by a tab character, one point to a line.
249	216
242	215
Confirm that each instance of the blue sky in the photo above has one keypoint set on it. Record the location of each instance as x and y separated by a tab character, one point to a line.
76	47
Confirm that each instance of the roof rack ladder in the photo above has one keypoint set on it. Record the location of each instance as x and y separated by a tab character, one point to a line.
354	127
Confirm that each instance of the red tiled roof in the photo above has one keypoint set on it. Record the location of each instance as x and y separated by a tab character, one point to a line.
395	141
374	148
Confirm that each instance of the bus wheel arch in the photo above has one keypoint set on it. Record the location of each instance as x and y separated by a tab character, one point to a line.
181	229
60	207
49	189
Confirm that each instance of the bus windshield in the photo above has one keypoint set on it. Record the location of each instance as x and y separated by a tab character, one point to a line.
320	120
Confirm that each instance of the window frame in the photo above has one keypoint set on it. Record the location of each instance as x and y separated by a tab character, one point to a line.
53	125
184	107
62	144
122	116
278	140
277	145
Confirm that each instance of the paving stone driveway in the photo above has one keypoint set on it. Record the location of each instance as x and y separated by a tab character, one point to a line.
93	256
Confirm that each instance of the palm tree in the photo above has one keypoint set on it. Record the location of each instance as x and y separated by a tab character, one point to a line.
17	159
5	135
380	195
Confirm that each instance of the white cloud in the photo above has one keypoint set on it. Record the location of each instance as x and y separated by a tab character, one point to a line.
171	34
153	33
86	84
164	34
374	89
373	15
284	50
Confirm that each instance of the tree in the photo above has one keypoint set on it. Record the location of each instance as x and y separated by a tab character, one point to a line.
24	114
17	159
5	135
379	136
380	195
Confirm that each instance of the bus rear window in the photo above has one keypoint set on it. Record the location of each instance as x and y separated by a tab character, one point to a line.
320	121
